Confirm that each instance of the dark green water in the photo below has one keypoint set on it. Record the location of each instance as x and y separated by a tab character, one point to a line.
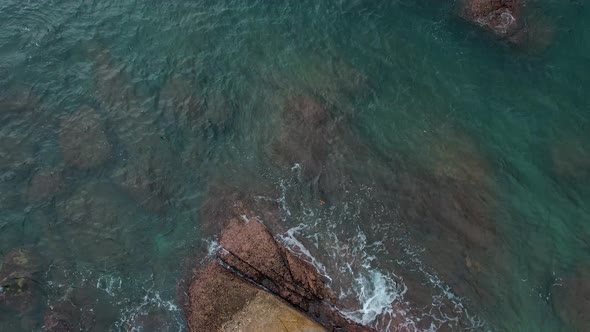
417	94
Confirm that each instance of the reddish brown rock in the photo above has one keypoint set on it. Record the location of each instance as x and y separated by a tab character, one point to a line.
20	280
571	301
214	296
83	140
501	17
248	247
44	185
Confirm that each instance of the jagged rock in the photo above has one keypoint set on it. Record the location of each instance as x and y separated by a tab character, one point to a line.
83	140
571	301
248	248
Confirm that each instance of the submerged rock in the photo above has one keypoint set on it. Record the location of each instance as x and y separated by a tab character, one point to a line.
83	140
16	154
148	175
178	101
571	301
44	185
81	309
18	99
93	221
306	135
20	280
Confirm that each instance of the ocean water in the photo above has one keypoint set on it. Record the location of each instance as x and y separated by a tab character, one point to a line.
454	193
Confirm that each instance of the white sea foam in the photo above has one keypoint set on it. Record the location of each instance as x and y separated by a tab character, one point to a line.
367	292
111	284
376	292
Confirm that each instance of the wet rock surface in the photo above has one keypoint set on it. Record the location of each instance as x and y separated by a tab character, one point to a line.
501	17
248	248
571	300
83	140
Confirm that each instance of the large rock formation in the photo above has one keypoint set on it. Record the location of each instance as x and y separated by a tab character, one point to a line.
248	249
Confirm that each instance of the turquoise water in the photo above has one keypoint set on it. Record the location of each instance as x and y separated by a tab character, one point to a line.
437	123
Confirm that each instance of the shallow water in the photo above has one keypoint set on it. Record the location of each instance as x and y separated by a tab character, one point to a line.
190	96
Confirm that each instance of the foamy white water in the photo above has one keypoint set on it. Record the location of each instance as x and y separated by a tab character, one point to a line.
332	239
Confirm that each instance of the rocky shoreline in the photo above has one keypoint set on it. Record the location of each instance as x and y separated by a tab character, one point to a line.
249	265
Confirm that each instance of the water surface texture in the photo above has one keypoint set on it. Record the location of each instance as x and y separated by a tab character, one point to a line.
451	190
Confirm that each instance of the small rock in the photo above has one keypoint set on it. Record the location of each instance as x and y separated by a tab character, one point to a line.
83	141
501	17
